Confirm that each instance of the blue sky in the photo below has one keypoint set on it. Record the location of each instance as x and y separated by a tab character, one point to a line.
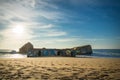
60	23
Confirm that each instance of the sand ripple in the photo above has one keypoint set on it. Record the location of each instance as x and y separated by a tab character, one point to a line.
59	69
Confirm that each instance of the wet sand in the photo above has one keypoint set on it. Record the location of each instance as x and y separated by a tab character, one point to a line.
60	68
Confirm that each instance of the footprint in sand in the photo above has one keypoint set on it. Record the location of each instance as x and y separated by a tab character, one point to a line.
52	69
45	76
66	78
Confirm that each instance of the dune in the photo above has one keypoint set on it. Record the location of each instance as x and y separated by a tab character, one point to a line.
59	68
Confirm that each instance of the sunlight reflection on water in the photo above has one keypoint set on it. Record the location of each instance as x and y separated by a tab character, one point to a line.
13	56
17	56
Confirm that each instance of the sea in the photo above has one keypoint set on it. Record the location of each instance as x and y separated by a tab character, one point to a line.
97	53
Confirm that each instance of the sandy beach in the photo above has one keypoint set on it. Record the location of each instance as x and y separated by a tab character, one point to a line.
59	68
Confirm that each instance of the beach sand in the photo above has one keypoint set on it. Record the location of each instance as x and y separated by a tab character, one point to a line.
59	68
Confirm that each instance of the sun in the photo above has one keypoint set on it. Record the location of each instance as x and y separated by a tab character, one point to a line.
18	29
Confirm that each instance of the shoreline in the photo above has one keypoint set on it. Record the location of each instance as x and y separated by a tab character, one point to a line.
95	57
59	68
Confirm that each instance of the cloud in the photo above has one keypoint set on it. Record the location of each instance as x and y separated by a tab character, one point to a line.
54	42
31	15
27	3
45	23
21	9
55	33
49	30
46	4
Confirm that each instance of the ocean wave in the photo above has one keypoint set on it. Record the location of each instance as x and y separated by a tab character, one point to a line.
106	54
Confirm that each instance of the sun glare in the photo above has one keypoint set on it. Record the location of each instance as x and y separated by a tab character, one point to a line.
18	29
18	56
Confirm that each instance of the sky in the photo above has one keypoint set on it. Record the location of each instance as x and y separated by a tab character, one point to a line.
60	23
